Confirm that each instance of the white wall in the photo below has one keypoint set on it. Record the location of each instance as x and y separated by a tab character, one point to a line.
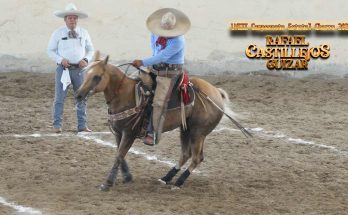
118	28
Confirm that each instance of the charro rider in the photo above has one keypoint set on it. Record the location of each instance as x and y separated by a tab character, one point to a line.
168	26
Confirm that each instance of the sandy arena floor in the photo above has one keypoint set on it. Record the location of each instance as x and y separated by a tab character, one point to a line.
296	164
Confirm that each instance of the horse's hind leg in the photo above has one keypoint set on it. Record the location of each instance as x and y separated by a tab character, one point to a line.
185	155
197	158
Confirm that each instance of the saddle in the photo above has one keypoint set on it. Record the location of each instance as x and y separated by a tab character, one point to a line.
181	97
175	100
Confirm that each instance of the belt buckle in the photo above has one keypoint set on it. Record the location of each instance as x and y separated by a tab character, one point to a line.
74	66
156	67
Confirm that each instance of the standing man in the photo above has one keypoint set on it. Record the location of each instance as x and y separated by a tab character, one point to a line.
71	49
168	26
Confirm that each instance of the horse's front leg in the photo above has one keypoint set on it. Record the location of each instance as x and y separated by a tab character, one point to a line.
124	146
127	177
112	176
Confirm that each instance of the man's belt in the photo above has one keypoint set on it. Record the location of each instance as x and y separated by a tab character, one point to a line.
165	66
74	66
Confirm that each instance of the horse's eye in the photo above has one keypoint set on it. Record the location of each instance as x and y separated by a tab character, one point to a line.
96	78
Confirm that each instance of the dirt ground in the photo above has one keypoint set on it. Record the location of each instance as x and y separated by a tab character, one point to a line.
270	175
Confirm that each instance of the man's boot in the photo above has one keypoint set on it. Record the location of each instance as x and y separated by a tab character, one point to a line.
148	139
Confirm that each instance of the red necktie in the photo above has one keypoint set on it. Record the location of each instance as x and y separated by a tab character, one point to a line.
162	41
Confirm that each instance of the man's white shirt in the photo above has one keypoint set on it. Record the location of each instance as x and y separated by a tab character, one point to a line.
74	49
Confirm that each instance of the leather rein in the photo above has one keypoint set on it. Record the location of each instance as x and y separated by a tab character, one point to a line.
123	77
129	112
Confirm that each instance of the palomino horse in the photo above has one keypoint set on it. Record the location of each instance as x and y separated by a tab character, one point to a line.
119	92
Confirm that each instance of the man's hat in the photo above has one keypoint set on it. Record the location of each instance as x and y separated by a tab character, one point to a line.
70	9
168	22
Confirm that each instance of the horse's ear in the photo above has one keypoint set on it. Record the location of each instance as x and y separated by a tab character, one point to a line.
106	60
97	55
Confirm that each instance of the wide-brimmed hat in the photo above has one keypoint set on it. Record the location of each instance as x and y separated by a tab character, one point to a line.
168	22
70	9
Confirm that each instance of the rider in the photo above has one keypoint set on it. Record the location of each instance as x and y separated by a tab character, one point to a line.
168	26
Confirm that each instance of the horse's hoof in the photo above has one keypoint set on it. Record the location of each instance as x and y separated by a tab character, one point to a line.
175	188
127	178
162	182
104	188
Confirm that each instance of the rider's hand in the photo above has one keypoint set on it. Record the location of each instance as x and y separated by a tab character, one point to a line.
83	63
137	63
65	63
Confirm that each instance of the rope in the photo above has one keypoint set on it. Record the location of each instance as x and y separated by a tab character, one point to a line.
241	128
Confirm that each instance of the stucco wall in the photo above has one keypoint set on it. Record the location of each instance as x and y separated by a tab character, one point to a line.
118	28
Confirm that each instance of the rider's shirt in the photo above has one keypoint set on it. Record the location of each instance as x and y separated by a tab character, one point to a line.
172	53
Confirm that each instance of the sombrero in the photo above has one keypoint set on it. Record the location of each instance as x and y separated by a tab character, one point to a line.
70	9
168	22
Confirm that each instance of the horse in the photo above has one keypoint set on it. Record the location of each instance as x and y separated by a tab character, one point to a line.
119	92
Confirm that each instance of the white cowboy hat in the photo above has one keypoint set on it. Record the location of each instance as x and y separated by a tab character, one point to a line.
70	9
168	22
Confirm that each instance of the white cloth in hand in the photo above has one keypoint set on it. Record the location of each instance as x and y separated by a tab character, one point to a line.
66	81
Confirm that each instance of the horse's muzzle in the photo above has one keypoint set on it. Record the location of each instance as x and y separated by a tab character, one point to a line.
80	95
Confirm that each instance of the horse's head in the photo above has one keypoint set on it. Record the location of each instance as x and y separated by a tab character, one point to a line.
96	78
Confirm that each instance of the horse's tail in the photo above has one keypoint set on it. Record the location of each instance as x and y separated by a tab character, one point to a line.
227	102
229	113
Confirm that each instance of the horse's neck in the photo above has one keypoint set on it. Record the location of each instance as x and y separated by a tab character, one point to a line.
120	91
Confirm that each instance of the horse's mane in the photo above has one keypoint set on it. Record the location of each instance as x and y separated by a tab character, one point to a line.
134	75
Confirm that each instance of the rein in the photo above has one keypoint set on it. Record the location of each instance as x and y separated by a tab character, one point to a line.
129	112
131	64
123	77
